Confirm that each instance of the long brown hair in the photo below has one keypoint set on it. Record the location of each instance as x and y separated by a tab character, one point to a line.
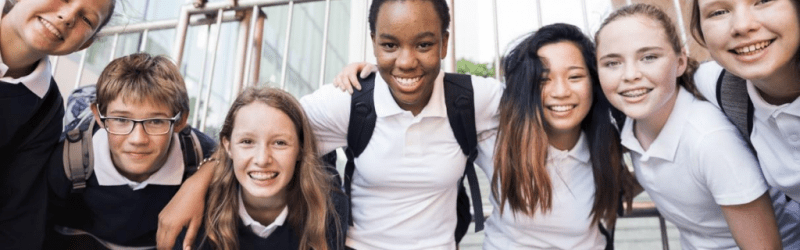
522	142
654	13
310	205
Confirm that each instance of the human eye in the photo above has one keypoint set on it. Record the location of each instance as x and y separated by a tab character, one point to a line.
763	1
157	122
649	57
389	46
87	21
715	13
118	120
611	64
425	45
245	141
575	77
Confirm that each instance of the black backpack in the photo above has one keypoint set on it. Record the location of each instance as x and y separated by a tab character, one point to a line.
80	126
459	100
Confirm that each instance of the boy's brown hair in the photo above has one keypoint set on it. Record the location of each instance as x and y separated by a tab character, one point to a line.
141	77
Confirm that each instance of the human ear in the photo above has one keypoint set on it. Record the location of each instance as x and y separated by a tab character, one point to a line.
96	114
445	39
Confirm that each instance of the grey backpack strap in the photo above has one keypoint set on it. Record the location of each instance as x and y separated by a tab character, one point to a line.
79	156
734	101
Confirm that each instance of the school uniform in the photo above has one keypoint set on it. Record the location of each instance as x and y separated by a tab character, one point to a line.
277	235
568	224
776	140
404	187
23	194
697	163
112	209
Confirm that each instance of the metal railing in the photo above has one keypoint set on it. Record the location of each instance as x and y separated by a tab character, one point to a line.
200	13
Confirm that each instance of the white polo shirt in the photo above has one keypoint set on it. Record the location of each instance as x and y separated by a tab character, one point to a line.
697	163
775	135
405	182
171	174
568	225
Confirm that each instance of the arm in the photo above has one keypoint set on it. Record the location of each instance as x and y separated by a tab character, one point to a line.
185	209
753	224
347	80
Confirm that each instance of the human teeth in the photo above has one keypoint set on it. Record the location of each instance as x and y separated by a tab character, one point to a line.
635	92
51	28
262	175
561	108
752	47
406	81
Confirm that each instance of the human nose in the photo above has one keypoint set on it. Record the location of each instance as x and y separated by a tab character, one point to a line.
743	22
406	59
631	73
138	135
67	16
560	89
263	157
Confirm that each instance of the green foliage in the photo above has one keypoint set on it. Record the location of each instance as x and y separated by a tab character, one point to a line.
464	66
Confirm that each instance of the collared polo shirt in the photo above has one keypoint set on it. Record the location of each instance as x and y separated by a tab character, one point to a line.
170	174
568	224
775	135
697	163
405	182
259	229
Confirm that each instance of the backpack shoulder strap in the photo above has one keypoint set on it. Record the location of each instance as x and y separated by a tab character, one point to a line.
460	102
734	101
42	118
359	129
78	155
192	153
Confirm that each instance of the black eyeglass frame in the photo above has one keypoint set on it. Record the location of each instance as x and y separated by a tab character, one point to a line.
140	121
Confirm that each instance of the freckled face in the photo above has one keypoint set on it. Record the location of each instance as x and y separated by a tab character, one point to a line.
638	67
264	147
409	45
754	39
56	27
566	87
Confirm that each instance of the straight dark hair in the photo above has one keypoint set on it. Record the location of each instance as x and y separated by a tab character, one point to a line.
521	149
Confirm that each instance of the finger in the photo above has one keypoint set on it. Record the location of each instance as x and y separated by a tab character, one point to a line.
191	234
353	79
337	82
163	239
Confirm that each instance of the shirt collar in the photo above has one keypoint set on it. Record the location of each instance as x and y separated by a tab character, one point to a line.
579	152
764	110
259	229
666	144
171	174
386	106
37	81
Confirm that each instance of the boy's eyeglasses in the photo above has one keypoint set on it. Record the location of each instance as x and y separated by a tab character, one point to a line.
152	126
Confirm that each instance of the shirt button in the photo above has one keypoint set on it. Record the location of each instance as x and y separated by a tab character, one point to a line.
794	138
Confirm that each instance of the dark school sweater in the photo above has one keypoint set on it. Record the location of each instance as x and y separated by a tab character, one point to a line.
23	191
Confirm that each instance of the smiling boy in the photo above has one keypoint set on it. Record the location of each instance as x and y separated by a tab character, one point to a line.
31	106
141	107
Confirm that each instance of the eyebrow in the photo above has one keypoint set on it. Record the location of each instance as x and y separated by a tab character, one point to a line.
641	50
418	36
126	113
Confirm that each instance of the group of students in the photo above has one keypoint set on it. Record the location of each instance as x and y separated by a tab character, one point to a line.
551	138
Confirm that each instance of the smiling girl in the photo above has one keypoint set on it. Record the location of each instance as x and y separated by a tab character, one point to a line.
757	43
686	154
558	167
268	189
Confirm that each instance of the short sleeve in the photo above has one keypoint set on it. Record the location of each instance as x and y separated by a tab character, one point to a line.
705	78
729	168
328	112
487	92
